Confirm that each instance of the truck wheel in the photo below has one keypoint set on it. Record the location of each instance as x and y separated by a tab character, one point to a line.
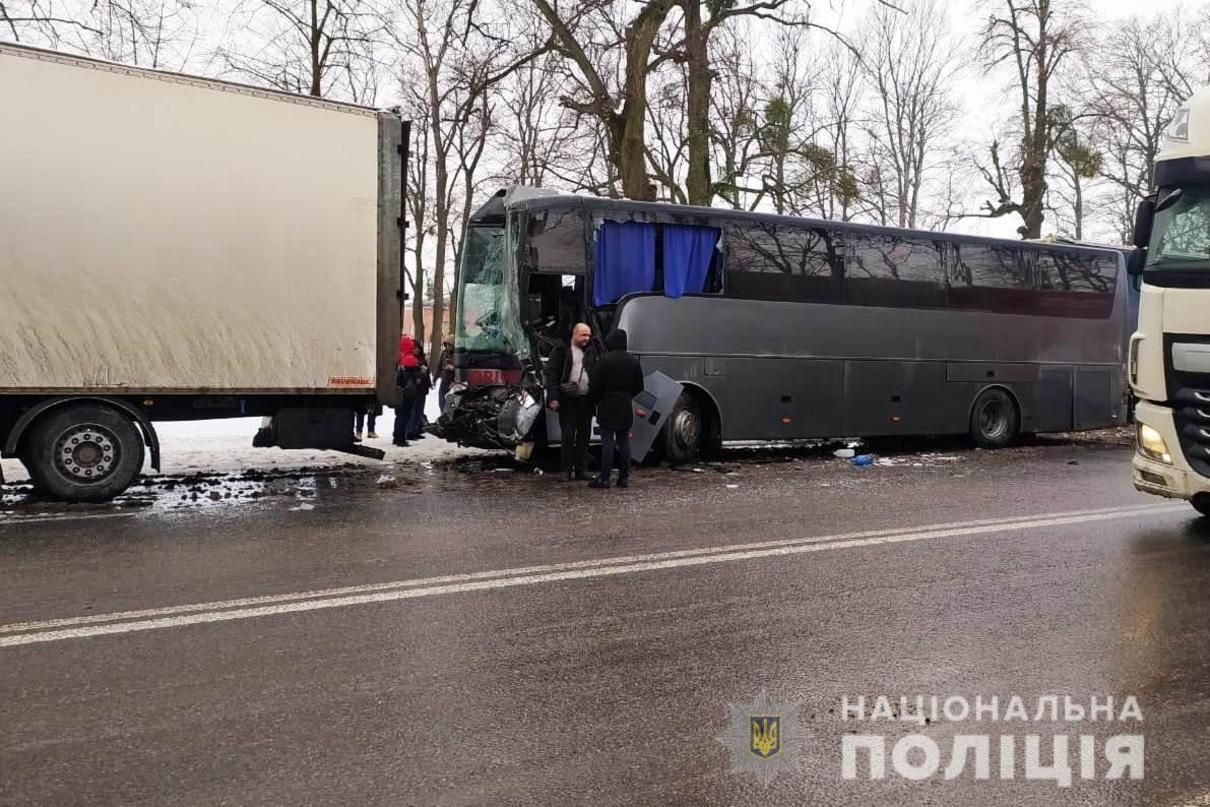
84	453
994	420
684	431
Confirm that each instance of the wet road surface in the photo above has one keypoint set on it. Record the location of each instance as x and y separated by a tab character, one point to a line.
475	634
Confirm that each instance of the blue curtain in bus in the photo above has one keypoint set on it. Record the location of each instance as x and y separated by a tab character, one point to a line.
687	253
624	261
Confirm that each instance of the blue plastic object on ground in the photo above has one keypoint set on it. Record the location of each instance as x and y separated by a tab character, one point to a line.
862	459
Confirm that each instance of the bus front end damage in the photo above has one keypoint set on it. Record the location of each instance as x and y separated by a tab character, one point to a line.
498	416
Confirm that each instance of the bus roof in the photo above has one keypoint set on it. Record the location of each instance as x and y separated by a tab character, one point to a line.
519	198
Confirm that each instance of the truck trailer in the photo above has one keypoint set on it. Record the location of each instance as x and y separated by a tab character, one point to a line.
180	248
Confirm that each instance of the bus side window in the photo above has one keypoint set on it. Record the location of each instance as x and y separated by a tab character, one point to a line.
894	271
755	268
988	278
556	242
1069	284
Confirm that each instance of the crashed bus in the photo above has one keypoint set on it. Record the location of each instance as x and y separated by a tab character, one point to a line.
758	327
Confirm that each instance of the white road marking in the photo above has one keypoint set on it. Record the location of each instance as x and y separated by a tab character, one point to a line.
15	520
23	633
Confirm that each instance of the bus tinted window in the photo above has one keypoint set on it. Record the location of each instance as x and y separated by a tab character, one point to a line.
556	241
1065	271
989	278
893	271
783	262
1069	284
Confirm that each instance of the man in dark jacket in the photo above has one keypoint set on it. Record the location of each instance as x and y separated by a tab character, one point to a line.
567	373
614	382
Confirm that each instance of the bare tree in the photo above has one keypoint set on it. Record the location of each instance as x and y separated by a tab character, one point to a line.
1132	85
151	33
1077	163
458	53
621	106
1034	38
323	48
735	119
909	66
536	133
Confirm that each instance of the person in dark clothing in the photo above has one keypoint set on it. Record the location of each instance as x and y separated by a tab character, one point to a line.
371	413
567	373
423	385
613	383
408	382
443	371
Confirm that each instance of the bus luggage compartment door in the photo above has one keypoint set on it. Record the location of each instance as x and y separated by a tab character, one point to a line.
651	408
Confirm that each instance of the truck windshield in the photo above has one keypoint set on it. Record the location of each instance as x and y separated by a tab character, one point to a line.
488	309
1180	239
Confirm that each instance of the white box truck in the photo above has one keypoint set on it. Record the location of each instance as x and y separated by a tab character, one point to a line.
178	248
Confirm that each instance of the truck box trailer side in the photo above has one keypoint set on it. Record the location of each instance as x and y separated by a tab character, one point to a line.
175	247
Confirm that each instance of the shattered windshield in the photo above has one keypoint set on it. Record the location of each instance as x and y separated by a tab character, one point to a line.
1181	235
488	309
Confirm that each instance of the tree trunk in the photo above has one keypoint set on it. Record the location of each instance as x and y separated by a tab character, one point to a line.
316	67
630	126
698	83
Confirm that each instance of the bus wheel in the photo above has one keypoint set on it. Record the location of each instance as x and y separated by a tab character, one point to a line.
84	453
684	432
994	420
1201	503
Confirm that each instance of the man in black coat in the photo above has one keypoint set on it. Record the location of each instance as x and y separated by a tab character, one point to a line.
614	382
567	373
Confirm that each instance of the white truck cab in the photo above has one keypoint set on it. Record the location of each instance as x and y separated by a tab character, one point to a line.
1169	356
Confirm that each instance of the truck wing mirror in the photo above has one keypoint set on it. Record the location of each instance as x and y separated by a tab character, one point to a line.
1134	263
1144	216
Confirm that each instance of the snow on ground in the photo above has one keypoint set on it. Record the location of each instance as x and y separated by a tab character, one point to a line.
225	446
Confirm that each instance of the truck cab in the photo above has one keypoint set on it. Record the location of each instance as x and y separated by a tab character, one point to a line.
1169	353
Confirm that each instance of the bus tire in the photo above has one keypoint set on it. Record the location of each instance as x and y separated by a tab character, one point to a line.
1201	503
84	453
685	432
994	420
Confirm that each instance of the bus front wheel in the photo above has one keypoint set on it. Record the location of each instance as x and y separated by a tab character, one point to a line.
685	431
994	420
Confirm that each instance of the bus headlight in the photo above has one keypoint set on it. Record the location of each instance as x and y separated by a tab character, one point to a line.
1151	444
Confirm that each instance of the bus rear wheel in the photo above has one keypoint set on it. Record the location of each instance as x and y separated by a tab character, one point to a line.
1201	503
84	453
994	420
684	433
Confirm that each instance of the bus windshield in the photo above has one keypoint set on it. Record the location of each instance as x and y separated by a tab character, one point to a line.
488	310
1180	237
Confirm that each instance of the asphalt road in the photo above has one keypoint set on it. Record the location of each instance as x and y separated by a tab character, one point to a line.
478	635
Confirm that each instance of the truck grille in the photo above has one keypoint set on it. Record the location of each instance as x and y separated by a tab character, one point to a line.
1191	408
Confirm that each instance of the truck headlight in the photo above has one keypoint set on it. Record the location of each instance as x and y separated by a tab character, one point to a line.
1151	444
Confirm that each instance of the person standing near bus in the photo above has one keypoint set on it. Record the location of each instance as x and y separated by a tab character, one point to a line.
407	383
614	382
567	373
444	370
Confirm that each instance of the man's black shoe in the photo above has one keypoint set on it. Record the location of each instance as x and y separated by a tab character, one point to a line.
583	476
623	483
597	482
400	443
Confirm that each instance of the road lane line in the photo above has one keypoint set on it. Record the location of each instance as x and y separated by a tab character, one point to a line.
268	599
605	567
15	520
